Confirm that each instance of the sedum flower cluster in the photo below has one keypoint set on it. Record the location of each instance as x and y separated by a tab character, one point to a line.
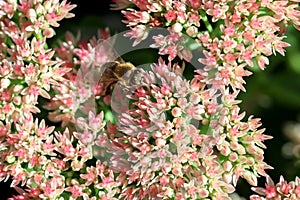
233	34
282	190
28	70
163	136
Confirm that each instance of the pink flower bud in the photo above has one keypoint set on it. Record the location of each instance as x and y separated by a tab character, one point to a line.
17	100
195	98
227	177
5	83
160	142
177	27
192	31
31	15
202	179
48	33
233	157
227	166
182	102
176	112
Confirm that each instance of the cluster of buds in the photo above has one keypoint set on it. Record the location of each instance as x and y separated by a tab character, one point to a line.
233	34
172	138
27	72
282	190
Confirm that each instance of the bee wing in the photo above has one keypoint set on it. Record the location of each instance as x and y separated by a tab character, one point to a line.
105	53
107	61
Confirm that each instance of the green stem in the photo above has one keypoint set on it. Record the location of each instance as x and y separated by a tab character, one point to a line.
206	22
217	31
40	36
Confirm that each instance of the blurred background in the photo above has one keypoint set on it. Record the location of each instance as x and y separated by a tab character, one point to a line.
272	95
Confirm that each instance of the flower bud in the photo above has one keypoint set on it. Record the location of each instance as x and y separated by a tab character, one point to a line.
31	15
177	27
5	83
17	88
182	102
176	112
192	31
156	134
17	100
195	98
227	177
160	142
227	165
48	33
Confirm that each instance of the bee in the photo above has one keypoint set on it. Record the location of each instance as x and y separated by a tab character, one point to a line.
121	72
116	70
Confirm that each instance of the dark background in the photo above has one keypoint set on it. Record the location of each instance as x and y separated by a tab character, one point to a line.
273	94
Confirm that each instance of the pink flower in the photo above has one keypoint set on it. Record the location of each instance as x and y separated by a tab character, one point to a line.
172	45
75	190
278	191
172	138
138	33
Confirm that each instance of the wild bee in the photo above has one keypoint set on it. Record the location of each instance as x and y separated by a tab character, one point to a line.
122	72
116	70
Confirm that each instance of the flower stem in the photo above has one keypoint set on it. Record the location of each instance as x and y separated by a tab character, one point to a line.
205	20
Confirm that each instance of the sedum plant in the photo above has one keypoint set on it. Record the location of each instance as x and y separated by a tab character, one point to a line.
164	136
